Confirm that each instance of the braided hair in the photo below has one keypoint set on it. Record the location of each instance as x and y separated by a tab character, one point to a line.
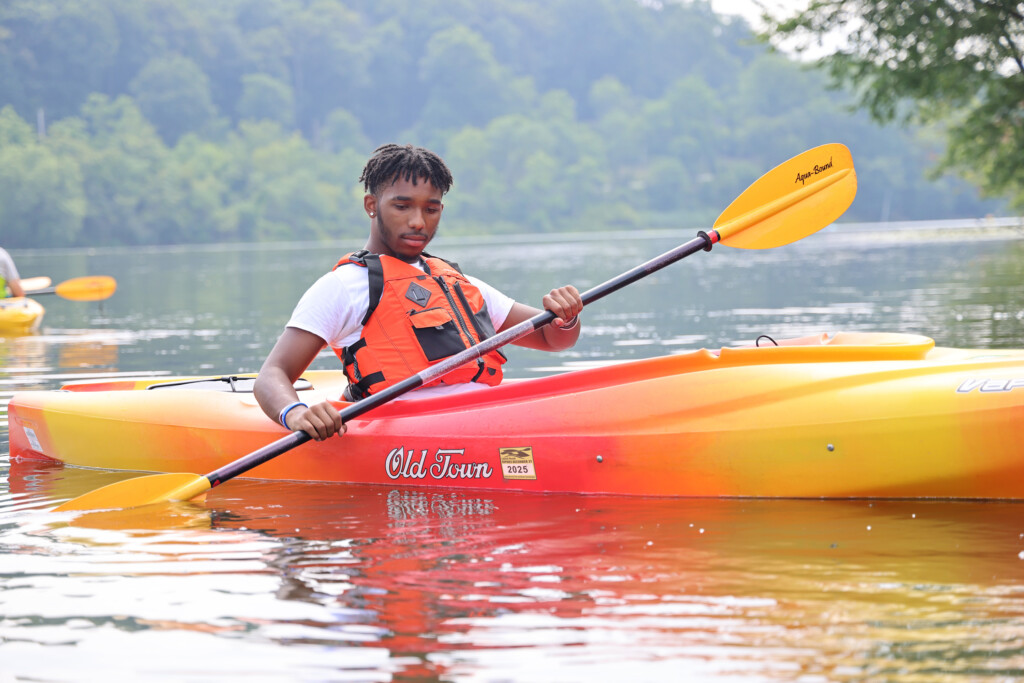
391	161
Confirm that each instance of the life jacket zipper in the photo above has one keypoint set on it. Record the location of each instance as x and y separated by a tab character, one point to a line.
462	323
457	310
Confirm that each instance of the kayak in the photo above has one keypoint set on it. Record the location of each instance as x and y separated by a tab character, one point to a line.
20	315
844	415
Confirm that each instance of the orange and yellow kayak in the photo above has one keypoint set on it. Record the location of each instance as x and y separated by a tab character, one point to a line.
20	315
835	416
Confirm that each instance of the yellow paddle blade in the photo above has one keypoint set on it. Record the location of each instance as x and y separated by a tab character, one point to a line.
796	198
166	515
88	288
156	488
31	284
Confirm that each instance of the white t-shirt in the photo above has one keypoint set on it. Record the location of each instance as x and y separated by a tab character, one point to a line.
334	306
7	270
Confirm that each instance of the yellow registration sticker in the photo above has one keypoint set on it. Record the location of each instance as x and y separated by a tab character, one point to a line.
517	462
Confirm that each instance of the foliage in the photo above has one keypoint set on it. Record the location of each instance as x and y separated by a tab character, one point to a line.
160	122
173	93
958	64
41	196
266	97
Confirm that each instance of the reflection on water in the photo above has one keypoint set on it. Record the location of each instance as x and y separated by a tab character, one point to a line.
288	581
46	361
309	581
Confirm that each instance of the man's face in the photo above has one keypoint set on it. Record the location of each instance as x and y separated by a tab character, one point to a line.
406	220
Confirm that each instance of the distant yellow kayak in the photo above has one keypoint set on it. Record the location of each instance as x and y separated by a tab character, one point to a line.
20	315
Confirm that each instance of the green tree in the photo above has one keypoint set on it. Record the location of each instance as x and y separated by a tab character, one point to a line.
267	52
14	130
174	94
265	97
195	194
543	171
54	53
120	155
41	198
328	64
668	178
466	84
343	130
958	63
620	129
393	58
290	191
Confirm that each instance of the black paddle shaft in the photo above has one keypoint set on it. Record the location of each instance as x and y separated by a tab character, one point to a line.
703	242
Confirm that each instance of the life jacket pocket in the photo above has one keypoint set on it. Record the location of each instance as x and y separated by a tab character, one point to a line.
437	334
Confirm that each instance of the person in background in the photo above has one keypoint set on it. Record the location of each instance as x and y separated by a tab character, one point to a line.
9	279
392	310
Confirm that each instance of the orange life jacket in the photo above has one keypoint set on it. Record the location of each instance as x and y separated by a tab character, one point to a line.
415	319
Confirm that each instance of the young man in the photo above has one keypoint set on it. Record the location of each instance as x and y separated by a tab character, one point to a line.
9	279
392	310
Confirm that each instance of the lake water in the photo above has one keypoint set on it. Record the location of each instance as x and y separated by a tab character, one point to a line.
271	581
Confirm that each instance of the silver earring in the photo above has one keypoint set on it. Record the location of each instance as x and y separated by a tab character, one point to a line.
372	214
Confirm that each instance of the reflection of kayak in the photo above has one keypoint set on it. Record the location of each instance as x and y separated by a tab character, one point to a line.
394	567
20	315
876	415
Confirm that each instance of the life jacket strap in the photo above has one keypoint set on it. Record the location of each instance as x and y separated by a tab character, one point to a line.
361	387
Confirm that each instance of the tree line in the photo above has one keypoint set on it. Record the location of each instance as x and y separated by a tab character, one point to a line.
185	121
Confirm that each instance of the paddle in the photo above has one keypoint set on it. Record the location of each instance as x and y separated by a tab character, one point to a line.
32	284
88	288
793	200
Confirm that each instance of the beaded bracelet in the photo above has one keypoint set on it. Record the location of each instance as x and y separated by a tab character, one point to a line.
282	417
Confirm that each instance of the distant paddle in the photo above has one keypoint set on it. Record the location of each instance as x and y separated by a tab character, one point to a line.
34	284
88	288
793	200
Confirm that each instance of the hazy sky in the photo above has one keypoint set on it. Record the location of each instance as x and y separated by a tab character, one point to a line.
751	9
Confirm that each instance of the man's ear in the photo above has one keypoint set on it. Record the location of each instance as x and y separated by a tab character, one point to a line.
370	205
